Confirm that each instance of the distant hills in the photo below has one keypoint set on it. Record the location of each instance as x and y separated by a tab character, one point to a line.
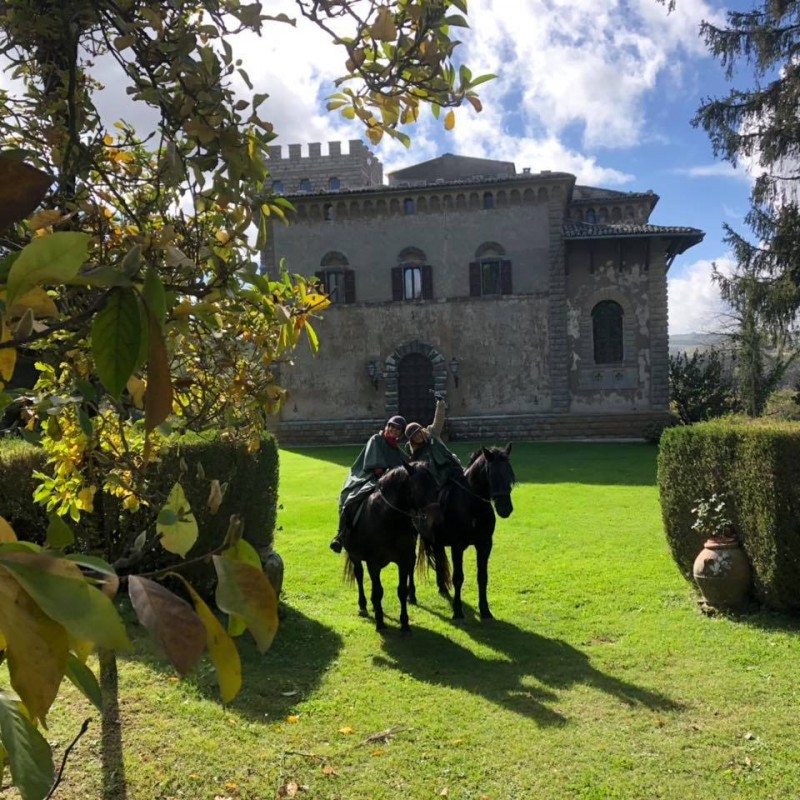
689	342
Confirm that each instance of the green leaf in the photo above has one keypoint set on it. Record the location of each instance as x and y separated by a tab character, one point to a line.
245	591
170	620
59	534
85	681
59	588
117	333
178	536
154	297
29	756
85	423
46	260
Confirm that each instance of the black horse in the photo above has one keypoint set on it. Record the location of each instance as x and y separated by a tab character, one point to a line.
385	531
468	519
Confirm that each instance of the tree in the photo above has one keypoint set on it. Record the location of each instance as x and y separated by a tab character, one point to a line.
760	125
127	268
700	385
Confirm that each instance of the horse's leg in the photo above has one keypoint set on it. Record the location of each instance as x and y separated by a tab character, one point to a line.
377	594
458	580
484	550
405	578
358	572
412	589
443	577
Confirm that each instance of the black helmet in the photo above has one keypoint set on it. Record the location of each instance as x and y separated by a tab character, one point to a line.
398	421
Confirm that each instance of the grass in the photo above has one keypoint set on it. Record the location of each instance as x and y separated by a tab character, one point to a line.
599	679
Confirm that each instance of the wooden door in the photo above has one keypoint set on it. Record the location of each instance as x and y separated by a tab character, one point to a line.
414	386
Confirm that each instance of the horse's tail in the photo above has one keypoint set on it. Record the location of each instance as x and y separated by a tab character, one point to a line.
424	560
435	558
349	573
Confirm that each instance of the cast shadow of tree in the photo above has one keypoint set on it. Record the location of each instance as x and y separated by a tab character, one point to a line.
526	676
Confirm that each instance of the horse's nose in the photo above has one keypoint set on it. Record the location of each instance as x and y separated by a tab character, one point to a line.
503	505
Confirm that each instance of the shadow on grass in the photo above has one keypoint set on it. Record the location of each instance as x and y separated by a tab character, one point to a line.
525	677
273	682
596	463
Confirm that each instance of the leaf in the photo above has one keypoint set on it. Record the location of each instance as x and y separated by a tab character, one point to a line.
49	259
242	550
158	399
221	648
29	756
84	680
170	620
36	300
136	388
8	355
347	730
450	120
60	590
22	188
117	333
36	647
179	532
214	497
6	532
44	219
154	297
246	591
59	534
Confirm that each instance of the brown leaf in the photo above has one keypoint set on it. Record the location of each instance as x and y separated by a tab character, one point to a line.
22	188
171	621
158	399
289	789
329	771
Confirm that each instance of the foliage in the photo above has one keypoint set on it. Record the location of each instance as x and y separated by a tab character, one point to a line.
783	404
127	267
652	432
711	520
700	385
754	464
760	126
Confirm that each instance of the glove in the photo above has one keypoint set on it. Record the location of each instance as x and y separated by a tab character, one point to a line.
438	396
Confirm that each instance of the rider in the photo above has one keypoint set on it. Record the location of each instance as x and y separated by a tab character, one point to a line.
425	444
381	452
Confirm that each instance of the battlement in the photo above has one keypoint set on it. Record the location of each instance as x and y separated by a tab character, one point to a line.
298	168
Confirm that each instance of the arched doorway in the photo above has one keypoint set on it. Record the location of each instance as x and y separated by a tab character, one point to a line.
414	387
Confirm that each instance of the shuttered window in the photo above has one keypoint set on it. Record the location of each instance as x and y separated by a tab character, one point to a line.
490	276
340	284
412	282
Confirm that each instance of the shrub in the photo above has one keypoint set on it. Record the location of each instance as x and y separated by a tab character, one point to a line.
651	432
252	490
701	386
783	404
756	465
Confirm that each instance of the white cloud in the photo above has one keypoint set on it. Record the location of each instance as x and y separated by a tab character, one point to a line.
695	305
720	169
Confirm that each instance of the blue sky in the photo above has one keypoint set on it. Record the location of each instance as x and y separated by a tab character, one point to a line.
605	91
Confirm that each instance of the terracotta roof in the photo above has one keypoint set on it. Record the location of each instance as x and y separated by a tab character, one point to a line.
594	194
588	230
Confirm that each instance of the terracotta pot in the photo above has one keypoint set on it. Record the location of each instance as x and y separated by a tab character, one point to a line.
722	573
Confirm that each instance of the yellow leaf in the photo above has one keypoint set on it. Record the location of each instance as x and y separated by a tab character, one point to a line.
214	497
221	648
176	524
6	532
8	355
293	719
445	792
376	753
329	771
450	120
317	302
35	299
375	135
44	219
136	388
108	140
37	648
86	498
347	730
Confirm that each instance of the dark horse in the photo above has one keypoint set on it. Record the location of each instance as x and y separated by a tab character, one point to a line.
468	510
385	531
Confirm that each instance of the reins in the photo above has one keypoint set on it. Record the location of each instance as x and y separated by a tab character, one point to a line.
417	517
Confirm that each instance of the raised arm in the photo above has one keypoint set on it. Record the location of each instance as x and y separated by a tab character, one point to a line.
437	426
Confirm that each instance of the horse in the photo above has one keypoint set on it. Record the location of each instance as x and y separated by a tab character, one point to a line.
385	531
468	510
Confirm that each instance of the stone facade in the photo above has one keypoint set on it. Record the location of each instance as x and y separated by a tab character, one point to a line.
501	289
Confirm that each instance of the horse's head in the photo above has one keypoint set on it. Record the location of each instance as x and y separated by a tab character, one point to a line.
490	468
423	492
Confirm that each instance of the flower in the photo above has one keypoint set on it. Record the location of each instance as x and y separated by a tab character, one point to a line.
711	518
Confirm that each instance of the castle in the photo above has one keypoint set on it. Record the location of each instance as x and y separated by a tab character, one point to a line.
537	305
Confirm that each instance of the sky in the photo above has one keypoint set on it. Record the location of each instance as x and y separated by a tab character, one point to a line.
605	91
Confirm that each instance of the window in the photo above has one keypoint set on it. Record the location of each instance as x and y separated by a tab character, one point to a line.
591	216
305	184
337	279
412	278
334	184
328	212
277	187
488	200
490	274
408	205
607	332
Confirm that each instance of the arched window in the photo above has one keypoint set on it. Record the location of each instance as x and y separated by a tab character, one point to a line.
607	332
305	184
490	273
277	187
334	183
412	278
488	200
337	280
408	205
591	216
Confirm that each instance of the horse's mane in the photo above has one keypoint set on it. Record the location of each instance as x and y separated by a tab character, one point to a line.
473	457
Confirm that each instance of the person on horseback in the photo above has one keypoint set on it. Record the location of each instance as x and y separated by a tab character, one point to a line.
381	452
425	444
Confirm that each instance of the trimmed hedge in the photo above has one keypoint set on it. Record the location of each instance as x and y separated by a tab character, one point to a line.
252	493
755	464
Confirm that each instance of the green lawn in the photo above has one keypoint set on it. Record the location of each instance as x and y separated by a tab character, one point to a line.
599	678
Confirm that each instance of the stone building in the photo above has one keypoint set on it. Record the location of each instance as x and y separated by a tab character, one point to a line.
539	306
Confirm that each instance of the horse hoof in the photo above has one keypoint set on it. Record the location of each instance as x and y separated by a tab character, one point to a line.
487	617
380	627
444	593
413	600
458	617
362	612
405	631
